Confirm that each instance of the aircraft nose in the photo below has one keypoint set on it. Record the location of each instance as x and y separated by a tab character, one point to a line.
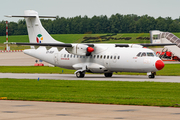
159	64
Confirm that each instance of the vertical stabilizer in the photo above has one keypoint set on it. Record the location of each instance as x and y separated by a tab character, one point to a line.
36	32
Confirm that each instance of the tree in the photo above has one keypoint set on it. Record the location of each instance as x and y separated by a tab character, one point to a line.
2	28
98	24
161	24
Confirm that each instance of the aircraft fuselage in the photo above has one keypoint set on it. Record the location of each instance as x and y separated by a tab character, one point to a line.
110	59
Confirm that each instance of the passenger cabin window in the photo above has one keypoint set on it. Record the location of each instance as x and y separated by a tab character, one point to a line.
64	55
108	57
104	56
111	57
97	56
101	57
118	57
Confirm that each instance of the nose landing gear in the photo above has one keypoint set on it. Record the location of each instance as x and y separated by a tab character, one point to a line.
152	75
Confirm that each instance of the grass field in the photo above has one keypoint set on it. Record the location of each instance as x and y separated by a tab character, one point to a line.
103	92
168	70
77	38
74	38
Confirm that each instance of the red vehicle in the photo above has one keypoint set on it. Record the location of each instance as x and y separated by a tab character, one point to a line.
167	55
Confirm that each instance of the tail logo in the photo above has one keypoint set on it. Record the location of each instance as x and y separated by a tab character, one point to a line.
39	38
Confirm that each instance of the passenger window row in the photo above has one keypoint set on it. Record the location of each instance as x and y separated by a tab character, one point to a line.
92	56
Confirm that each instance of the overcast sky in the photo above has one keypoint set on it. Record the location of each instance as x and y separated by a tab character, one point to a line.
72	8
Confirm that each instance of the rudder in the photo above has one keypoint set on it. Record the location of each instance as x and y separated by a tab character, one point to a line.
36	32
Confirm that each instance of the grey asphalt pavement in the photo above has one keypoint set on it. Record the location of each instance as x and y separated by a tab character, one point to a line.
32	110
98	77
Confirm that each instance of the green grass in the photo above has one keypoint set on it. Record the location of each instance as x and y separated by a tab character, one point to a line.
15	38
168	70
34	69
68	38
102	92
77	38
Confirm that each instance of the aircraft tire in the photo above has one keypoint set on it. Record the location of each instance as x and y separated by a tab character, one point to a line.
108	74
151	76
80	74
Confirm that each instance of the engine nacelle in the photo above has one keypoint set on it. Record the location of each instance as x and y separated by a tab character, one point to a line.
80	49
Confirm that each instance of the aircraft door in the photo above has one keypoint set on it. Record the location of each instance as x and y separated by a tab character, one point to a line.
114	58
56	58
106	60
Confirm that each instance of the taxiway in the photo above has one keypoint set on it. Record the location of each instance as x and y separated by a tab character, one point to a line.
97	77
31	110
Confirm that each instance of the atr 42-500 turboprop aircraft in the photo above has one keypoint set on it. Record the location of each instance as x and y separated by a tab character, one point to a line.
94	58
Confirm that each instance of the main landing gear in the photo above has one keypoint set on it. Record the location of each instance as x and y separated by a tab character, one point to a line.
80	74
152	75
108	74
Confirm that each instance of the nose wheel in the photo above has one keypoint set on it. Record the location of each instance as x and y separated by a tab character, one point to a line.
152	75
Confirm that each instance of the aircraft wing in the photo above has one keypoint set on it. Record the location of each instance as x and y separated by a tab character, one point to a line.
85	49
50	44
45	44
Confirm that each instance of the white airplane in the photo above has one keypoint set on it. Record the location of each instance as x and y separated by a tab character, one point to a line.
94	58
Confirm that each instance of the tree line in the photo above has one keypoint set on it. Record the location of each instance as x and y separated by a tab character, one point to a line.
98	24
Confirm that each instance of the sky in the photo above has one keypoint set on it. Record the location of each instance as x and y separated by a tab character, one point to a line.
72	8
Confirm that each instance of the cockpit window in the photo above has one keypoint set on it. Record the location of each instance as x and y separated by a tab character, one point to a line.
150	54
139	54
155	54
143	54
